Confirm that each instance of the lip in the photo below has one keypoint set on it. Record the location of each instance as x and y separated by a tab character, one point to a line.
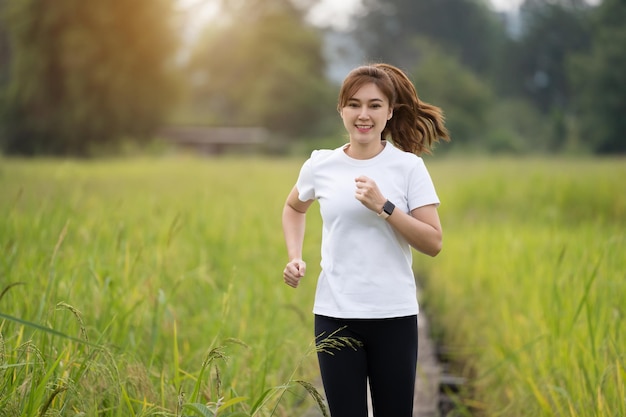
364	128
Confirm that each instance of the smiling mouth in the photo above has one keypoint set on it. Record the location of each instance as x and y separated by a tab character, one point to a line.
364	127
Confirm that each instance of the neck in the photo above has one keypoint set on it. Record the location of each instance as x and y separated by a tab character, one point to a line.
364	151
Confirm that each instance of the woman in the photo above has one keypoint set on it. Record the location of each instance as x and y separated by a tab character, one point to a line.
377	201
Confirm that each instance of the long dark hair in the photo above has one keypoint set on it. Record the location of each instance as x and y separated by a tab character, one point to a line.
415	126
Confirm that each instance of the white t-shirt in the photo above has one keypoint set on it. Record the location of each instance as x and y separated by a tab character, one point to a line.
366	265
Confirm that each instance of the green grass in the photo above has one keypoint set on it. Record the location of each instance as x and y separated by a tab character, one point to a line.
160	262
153	286
529	292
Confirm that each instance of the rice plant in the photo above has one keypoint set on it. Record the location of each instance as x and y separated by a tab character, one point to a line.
153	287
529	292
118	276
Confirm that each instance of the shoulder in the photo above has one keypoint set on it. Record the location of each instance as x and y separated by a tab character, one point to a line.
321	156
408	158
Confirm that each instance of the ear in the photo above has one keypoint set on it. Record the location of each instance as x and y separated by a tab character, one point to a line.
390	115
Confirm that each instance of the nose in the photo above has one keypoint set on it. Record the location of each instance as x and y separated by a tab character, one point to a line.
363	114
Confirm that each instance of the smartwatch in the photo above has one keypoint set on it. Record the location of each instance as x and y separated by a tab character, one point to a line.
387	209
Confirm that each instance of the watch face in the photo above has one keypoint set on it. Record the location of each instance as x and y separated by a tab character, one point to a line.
388	207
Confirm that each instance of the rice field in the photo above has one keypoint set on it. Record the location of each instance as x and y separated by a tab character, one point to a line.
529	293
170	269
153	287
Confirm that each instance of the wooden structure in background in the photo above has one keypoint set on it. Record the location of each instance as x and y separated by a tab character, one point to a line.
215	140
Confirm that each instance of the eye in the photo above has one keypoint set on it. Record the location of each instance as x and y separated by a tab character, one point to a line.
353	104
376	106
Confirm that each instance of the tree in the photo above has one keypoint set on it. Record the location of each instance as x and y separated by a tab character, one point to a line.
262	67
5	57
86	74
600	81
464	28
551	32
440	79
5	60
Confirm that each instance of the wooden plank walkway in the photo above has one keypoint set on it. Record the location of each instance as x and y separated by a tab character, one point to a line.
426	402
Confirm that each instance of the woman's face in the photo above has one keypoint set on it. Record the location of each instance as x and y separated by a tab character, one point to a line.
365	114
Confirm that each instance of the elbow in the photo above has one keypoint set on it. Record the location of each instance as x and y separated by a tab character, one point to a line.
431	250
435	247
428	242
435	251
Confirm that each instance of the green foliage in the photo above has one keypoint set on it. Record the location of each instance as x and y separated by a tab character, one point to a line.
139	280
600	82
4	50
516	127
578	106
130	286
529	289
264	68
552	31
466	100
84	78
463	28
86	74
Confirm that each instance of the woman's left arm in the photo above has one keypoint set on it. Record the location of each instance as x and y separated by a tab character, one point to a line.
421	228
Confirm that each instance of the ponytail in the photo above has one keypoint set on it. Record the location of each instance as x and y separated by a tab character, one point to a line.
415	126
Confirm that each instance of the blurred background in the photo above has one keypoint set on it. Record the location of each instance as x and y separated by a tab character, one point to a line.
82	78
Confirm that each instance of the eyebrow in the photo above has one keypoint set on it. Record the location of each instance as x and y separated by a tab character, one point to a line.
370	100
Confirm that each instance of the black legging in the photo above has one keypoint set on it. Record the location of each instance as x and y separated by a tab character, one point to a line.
388	357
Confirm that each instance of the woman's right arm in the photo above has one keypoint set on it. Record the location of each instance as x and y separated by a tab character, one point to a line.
294	220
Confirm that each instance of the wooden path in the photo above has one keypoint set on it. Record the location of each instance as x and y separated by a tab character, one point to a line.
426	402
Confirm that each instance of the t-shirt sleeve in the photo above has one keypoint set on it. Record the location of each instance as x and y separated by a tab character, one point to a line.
421	190
305	183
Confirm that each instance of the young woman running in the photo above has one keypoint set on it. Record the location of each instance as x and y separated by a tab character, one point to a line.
377	201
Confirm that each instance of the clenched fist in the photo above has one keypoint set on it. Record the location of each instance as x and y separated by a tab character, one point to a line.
294	271
368	194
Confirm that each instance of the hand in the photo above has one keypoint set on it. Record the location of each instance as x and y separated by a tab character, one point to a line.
294	271
368	194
